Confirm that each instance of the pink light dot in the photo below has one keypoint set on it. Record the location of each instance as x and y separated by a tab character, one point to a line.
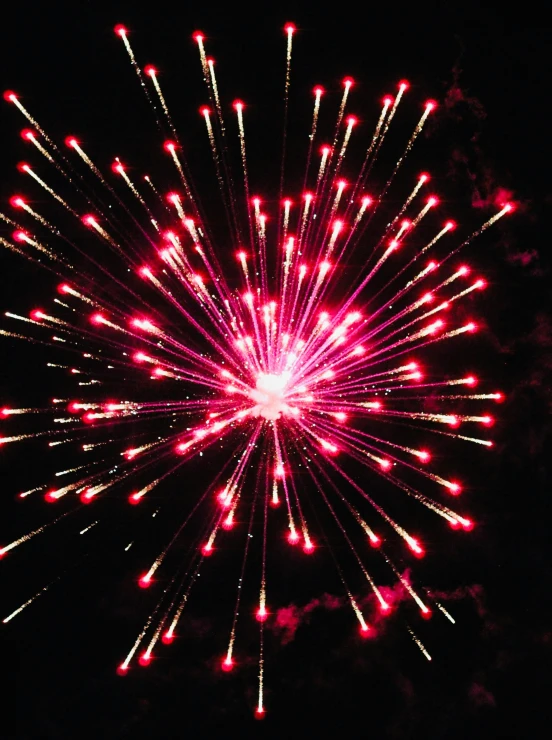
150	70
432	201
293	537
227	664
430	105
375	541
318	90
169	146
17	201
454	488
144	659
424	177
167	637
450	225
352	120
425	612
348	82
145	581
120	30
20	235
207	549
364	630
261	614
134	498
117	167
388	100
308	547
259	713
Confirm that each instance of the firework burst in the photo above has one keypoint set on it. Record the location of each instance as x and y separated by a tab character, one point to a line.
301	358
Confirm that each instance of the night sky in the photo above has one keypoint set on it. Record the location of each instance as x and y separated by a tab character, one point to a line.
490	140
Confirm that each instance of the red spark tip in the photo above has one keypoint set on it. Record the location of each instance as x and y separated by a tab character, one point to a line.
169	146
480	284
97	318
23	167
385	608
209	60
64	288
274	503
488	421
450	225
89	220
87	496
366	200
238	105
71	142
287	202
498	397
10	96
205	110
425	612
28	134
454	523
198	36
318	90
430	105
145	581
352	120
134	499
375	541
207	549
404	84
293	538
471	327
120	30
227	664
88	418
455	488
261	615
388	100
122	670
325	149
5	411
51	496
432	201
167	638
348	82
37	314
416	548
17	201
172	198
308	547
118	167
467	524
145	659
150	70
471	380
509	207
259	713
290	28
365	631
385	464
424	455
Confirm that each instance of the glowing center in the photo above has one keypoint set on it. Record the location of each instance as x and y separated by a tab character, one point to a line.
269	396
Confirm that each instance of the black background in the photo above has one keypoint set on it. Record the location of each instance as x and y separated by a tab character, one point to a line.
490	672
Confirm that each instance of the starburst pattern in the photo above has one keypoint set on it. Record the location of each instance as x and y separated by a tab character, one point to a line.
303	352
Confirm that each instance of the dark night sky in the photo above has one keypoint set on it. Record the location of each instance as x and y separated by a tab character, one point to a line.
490	671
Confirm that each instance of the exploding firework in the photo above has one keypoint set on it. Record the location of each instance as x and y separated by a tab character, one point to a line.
299	362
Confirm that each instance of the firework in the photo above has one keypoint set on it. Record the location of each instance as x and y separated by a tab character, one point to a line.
303	353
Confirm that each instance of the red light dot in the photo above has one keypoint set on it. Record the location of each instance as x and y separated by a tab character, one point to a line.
364	630
50	497
351	120
37	314
432	201
375	541
404	84
88	220
120	30
17	201
293	537
450	225
455	488
71	141
348	82
205	111
10	96
499	397
227	664
87	496
424	177
388	100
28	134
488	421
430	105
318	90
198	36
424	456
207	549
150	70
385	608
509	207
117	167
134	498
261	615
167	638
122	670
289	28
23	167
144	659
238	105
453	523
425	612
209	60
64	288
145	581
169	146
467	524
20	235
308	547
259	713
